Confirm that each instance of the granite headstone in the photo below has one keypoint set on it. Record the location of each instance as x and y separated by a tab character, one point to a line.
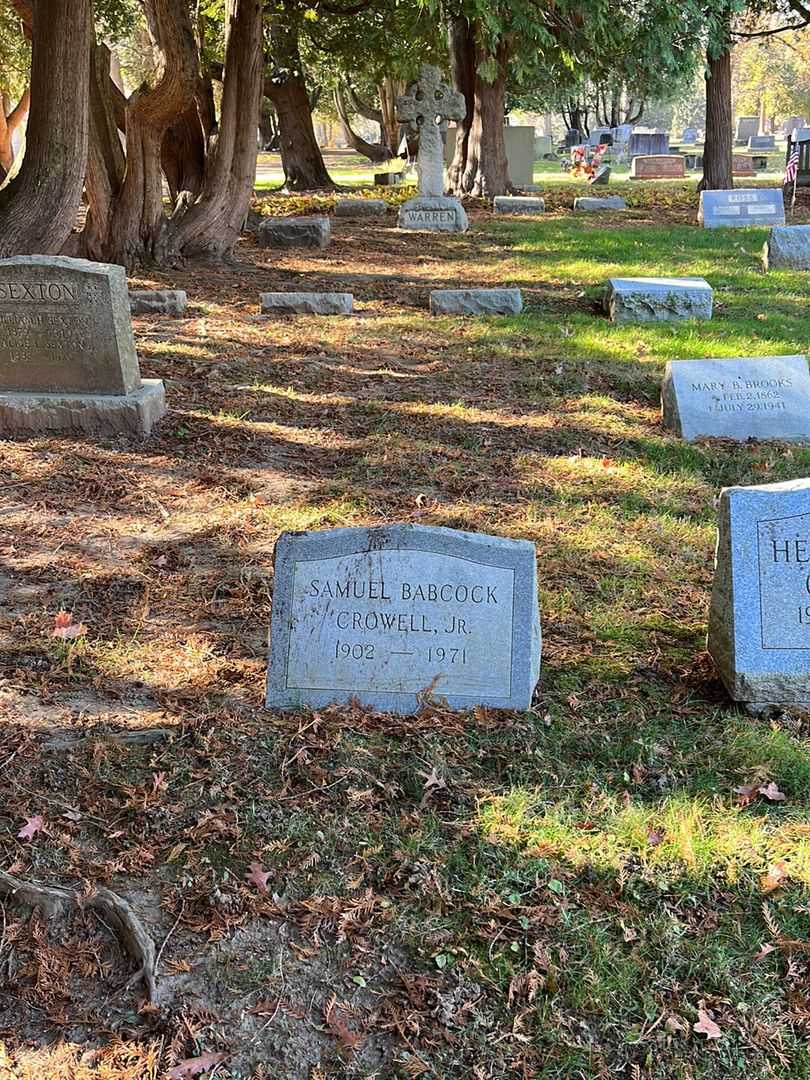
766	397
402	615
759	620
787	248
740	208
658	299
658	167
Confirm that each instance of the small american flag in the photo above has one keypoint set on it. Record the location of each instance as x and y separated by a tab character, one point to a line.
792	168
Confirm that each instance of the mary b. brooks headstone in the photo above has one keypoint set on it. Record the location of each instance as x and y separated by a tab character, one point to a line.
759	622
67	354
403	615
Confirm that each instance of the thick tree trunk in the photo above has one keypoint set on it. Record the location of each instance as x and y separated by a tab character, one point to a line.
106	163
717	152
389	90
373	151
38	207
479	165
182	155
9	125
211	227
301	157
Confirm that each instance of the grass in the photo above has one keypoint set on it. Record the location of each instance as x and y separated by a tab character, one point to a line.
558	894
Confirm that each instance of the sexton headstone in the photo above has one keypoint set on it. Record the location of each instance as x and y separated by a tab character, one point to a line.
766	397
402	615
740	208
426	109
67	353
759	621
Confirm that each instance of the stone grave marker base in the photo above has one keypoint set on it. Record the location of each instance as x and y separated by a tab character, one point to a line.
23	413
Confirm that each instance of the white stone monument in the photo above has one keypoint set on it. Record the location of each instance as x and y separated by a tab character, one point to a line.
426	110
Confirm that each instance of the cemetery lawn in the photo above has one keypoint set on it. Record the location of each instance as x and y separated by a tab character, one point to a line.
579	891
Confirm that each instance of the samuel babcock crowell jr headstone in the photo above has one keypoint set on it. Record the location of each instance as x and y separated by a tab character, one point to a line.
401	615
759	623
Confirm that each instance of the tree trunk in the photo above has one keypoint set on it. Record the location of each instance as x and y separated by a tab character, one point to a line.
389	90
479	165
373	151
182	155
106	163
8	129
717	152
38	207
301	157
211	227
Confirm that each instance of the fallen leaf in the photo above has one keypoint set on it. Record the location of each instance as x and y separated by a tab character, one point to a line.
675	1023
32	826
766	950
65	628
706	1026
196	1065
258	876
772	792
608	463
265	1007
746	793
775	877
655	837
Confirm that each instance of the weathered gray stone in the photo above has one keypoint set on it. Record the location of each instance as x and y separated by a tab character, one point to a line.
787	248
767	397
360	208
426	109
306	303
295	232
158	301
658	299
759	621
87	414
476	302
401	616
435	214
590	204
518	204
741	208
67	354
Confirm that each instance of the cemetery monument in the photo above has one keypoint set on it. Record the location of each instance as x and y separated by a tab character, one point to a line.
741	207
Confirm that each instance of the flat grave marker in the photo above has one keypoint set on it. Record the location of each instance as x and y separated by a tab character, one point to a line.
658	299
765	397
400	615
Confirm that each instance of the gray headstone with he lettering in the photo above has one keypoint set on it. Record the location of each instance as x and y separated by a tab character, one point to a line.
403	615
740	208
759	620
426	110
67	353
765	397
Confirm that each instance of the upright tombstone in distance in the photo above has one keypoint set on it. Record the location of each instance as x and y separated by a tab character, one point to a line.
426	109
658	167
766	397
401	615
759	621
67	354
741	207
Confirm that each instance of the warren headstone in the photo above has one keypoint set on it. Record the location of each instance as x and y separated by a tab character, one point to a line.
740	208
67	353
787	248
401	615
426	110
765	397
759	620
658	299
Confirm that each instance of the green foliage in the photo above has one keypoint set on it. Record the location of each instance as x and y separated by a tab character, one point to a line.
15	53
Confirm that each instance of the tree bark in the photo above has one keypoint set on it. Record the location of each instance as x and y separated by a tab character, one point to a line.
717	152
373	151
8	129
301	158
479	165
106	162
38	207
212	225
389	90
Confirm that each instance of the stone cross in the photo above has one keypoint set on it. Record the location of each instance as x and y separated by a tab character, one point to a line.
426	110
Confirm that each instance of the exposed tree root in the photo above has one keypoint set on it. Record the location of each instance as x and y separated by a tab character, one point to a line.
52	899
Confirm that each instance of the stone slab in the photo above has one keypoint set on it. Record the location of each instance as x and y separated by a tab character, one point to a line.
759	620
360	208
65	327
762	142
658	167
787	248
741	207
742	165
658	299
158	302
440	213
309	231
518	204
591	205
306	303
476	302
87	414
765	397
397	616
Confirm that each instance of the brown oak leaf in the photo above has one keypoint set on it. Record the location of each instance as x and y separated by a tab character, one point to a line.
772	792
706	1026
258	876
775	877
196	1065
32	826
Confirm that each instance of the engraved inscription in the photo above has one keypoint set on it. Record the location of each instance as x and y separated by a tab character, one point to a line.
741	395
400	621
784	582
